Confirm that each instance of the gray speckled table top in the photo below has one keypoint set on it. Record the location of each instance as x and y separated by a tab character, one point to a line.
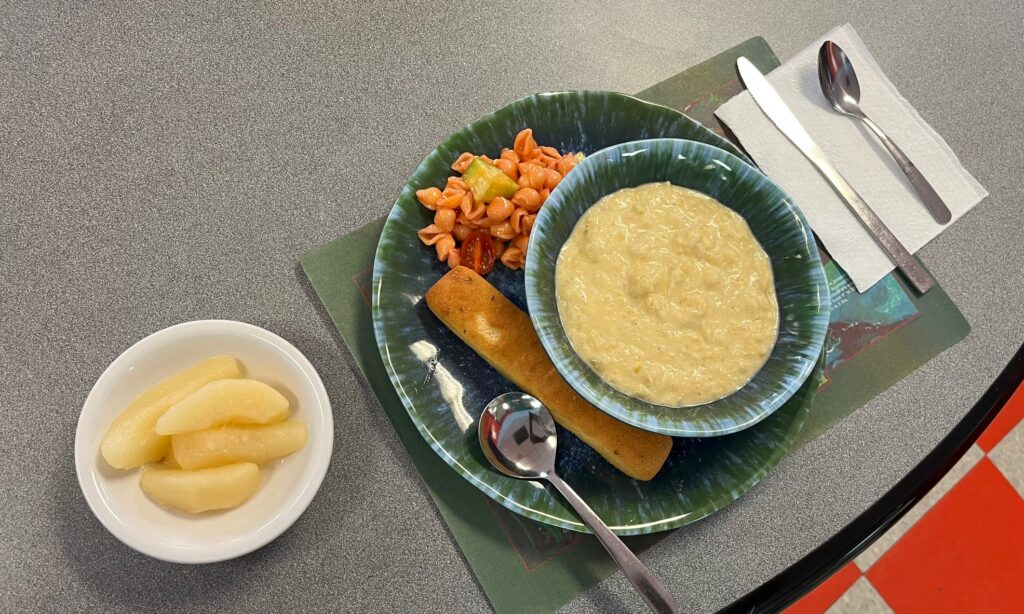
169	162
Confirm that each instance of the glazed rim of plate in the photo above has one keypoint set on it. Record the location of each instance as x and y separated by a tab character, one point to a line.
419	408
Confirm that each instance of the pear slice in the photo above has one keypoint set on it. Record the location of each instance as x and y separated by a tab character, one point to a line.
201	490
238	443
130	440
240	401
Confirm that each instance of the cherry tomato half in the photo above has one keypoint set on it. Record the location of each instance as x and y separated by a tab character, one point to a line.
477	252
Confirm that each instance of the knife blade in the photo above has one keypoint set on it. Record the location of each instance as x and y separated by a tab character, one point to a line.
780	114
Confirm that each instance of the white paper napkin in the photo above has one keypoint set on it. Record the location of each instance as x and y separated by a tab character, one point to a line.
857	154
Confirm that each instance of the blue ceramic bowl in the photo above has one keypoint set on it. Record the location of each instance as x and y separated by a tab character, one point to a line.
777	223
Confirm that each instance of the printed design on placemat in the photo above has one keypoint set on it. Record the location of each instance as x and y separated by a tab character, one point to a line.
703	109
533	542
363	280
861	320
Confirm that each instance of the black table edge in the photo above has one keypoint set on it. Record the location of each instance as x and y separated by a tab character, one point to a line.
818	565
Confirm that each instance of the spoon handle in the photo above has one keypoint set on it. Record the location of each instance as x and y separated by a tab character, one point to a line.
646	583
931	200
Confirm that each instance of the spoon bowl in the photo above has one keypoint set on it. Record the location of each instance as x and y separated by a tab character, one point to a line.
838	79
518	437
841	88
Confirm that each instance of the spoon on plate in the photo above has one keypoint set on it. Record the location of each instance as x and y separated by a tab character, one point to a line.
517	434
842	90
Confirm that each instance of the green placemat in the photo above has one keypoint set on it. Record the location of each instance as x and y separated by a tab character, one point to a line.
875	339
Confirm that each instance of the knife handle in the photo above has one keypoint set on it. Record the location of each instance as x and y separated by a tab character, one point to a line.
904	261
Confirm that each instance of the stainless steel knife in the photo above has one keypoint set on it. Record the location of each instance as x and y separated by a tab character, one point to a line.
775	108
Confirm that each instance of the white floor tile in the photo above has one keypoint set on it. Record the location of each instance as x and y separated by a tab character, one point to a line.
1008	457
874	552
861	598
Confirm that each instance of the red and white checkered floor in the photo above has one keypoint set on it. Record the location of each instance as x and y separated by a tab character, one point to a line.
960	550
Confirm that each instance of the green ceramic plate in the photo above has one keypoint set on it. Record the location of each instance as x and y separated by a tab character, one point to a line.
444	384
779	227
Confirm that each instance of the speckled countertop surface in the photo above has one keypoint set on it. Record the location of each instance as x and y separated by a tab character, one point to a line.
169	162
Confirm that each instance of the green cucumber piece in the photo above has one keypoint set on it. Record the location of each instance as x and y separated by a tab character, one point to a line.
487	181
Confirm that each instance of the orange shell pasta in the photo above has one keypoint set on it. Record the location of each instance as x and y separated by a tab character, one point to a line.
499	209
524	143
462	162
527	224
513	258
499	247
503	231
444	246
467	202
465	221
484	222
509	167
551	178
431	234
566	164
528	199
445	219
474	212
452	201
455	183
535	175
428	197
516	219
536	169
521	242
460	232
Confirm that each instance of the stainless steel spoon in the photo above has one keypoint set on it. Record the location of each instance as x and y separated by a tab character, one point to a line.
517	434
841	88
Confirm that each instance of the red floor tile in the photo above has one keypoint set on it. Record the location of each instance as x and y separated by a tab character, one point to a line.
965	555
826	593
1004	422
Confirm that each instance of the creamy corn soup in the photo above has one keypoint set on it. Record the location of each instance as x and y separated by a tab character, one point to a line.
667	295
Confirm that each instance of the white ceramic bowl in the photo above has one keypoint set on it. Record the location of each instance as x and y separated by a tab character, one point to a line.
288	484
